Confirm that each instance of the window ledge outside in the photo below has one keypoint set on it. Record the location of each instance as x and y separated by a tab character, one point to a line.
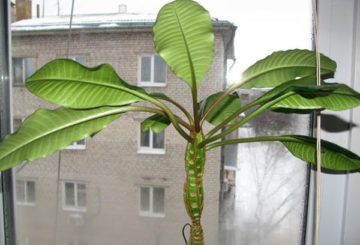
74	209
151	151
27	204
151	215
152	84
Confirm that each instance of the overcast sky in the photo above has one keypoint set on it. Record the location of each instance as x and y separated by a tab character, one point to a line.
263	26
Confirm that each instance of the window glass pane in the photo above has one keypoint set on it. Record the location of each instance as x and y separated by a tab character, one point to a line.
29	67
69	194
144	199
146	69
18	70
158	140
81	195
145	138
20	191
159	70
158	200
30	188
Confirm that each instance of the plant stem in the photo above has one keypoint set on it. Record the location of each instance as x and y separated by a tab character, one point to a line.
186	113
245	120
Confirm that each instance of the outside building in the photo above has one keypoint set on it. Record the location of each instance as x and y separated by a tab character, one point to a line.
123	186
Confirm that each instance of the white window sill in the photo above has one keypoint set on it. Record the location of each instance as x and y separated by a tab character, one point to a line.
29	204
76	147
74	209
151	215
151	151
151	84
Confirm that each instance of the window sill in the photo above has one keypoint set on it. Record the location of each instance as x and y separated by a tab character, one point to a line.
151	151
151	84
75	147
26	204
74	209
151	215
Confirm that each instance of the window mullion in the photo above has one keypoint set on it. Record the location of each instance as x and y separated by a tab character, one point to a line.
151	138
152	75
151	200
76	194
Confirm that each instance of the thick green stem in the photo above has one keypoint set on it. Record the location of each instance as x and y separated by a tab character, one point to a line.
181	108
193	187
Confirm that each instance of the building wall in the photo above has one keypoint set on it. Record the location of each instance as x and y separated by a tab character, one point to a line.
110	166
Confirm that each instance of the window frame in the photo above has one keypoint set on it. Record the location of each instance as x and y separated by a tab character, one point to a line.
150	83
23	70
150	213
26	202
149	149
75	207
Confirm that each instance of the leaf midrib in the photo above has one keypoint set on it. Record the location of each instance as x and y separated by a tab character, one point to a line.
243	82
65	127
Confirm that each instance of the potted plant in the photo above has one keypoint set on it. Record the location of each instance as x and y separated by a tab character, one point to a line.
91	98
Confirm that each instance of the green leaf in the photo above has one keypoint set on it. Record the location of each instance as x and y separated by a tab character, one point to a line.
70	84
305	97
157	123
341	97
223	110
47	131
283	66
184	37
333	157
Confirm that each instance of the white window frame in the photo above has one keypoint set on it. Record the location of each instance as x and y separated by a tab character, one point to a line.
151	200
149	149
23	70
150	83
26	202
73	207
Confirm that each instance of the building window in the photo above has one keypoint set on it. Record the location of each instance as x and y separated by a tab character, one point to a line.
74	196
78	145
25	192
152	143
22	69
151	201
152	71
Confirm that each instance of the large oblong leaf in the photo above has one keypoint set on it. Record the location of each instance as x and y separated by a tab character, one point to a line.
223	110
283	66
333	157
184	38
68	83
340	97
305	96
47	131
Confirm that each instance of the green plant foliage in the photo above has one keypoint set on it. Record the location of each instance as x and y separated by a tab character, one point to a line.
301	96
283	66
184	37
223	110
157	123
333	157
47	131
68	83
